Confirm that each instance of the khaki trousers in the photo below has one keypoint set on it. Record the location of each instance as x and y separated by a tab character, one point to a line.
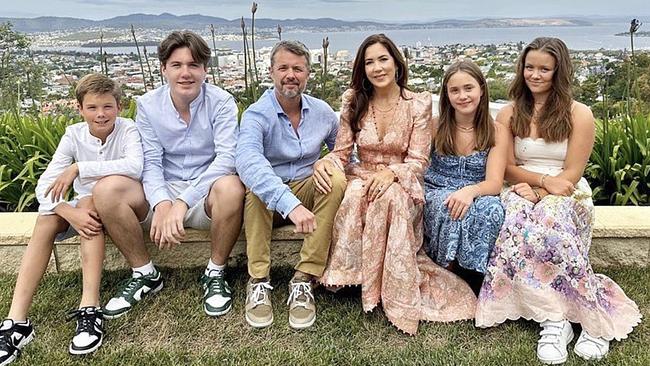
259	222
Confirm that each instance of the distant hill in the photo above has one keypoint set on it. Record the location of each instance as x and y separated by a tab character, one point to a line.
197	21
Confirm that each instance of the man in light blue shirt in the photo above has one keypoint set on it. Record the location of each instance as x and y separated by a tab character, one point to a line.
189	134
281	138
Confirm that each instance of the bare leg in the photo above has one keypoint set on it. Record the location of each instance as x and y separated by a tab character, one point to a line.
92	260
225	205
34	263
121	205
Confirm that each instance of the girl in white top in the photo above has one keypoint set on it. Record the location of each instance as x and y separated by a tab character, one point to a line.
539	268
104	145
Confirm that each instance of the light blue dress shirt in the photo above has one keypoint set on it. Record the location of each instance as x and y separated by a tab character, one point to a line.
200	152
270	153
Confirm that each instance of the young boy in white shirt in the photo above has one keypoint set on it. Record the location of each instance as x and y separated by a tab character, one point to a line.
102	146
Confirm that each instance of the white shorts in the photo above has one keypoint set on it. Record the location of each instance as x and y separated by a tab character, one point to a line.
70	231
195	217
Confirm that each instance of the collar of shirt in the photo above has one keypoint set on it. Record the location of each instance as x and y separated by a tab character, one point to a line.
304	104
194	105
90	137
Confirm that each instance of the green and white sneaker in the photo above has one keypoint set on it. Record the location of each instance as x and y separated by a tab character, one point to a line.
131	292
217	295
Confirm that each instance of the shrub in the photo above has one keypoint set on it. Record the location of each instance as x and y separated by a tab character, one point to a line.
619	165
27	144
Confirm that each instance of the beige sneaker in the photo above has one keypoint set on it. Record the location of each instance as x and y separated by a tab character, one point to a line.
259	311
302	307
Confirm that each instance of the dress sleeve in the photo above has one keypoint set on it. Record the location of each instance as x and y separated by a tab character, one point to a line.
409	173
340	156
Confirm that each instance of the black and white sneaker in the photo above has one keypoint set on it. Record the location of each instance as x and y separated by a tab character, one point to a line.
13	337
90	330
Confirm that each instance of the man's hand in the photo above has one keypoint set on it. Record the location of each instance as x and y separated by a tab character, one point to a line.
60	186
84	220
323	169
173	230
159	215
304	220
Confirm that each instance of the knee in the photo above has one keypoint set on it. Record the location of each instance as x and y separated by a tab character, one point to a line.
228	188
495	209
339	182
110	188
87	202
227	195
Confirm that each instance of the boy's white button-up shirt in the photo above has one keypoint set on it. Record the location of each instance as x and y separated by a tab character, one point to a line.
120	155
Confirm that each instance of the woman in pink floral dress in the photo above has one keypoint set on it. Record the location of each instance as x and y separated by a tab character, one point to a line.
539	268
377	235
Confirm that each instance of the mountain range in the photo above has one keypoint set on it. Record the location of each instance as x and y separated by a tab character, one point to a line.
197	21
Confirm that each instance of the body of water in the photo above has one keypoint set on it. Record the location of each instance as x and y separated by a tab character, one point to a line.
577	38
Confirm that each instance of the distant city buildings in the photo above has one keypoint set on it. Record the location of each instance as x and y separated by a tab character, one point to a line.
427	63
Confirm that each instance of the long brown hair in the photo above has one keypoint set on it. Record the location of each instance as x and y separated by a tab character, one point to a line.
363	89
554	121
483	123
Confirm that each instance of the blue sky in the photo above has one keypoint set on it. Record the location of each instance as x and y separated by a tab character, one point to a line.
392	10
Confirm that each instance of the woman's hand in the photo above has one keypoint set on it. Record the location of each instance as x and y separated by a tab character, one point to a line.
458	202
525	191
323	169
378	184
557	186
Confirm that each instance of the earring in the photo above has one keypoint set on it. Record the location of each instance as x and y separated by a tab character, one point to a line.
397	75
366	84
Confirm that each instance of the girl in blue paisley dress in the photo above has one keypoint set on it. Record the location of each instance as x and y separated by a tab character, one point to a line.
539	268
463	213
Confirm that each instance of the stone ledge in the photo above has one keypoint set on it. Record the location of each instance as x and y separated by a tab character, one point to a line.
621	237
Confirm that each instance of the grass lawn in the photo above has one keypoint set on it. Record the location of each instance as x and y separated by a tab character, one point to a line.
171	329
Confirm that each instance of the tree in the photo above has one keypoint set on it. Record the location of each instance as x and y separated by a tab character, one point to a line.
20	76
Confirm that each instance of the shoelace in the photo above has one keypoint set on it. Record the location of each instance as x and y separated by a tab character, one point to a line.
216	284
85	319
258	294
298	289
131	284
7	344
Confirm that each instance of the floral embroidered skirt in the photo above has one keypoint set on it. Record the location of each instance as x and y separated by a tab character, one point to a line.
378	245
539	269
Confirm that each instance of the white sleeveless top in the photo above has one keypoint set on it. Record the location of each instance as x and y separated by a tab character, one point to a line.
539	156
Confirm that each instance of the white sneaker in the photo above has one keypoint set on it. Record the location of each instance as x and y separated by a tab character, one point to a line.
591	348
551	347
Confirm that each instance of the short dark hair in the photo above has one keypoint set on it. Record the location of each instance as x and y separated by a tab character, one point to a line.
295	47
178	39
97	84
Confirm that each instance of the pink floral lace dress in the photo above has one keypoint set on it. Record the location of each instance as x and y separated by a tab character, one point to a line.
378	244
539	268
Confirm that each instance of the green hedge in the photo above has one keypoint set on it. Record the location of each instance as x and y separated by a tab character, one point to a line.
618	169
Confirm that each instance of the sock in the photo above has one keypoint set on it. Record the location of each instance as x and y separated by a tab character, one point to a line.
213	270
147	269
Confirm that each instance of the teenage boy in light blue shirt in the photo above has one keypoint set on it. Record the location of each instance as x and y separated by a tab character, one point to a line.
189	132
